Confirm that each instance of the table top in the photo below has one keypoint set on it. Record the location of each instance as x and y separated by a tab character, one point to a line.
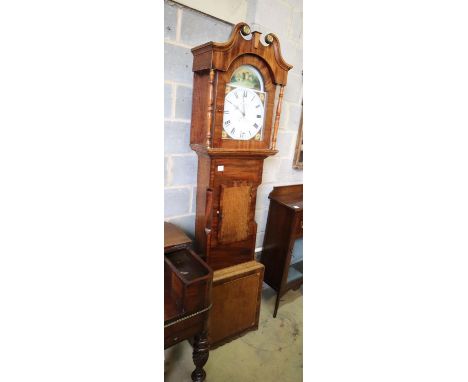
174	236
289	196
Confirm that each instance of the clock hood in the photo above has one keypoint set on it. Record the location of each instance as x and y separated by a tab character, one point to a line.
219	56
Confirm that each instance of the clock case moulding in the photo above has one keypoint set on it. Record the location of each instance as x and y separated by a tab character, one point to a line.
229	170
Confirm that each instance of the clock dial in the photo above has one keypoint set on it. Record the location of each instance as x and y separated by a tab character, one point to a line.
243	113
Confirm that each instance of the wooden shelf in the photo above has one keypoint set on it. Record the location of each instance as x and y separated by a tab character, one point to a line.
294	273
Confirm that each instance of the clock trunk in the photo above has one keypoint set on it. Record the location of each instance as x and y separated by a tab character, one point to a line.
225	227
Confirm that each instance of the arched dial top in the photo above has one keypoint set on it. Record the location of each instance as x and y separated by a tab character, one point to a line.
247	76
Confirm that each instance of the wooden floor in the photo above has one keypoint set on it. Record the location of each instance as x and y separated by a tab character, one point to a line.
270	354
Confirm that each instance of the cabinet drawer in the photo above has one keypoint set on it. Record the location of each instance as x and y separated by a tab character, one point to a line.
297	232
184	329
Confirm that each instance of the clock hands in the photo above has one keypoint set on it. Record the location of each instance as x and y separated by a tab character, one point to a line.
237	107
243	121
244	114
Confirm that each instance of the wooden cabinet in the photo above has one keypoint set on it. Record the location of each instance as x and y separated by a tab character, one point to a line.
187	297
282	245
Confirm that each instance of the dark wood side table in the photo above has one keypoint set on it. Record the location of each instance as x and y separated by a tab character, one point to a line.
282	245
187	297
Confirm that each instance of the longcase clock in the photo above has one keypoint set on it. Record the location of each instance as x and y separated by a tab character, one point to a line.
238	90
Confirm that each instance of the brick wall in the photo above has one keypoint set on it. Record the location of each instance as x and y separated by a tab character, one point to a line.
185	28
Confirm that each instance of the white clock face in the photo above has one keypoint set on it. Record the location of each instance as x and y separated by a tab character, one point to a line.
243	113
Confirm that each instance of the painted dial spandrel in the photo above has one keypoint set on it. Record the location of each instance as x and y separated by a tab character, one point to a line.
243	113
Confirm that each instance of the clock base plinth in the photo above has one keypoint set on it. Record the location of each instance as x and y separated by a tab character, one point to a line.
236	297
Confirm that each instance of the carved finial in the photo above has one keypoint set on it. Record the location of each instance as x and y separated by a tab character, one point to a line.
269	38
245	30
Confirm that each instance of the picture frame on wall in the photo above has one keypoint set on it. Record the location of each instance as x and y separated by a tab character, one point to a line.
298	154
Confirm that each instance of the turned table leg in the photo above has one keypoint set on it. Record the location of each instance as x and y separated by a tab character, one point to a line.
200	356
